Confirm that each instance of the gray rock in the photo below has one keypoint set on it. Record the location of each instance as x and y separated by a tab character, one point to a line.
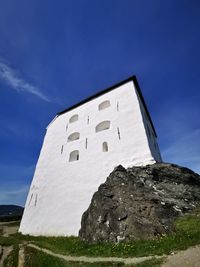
1	252
140	203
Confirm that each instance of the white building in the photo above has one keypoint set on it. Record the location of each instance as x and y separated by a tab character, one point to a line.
82	146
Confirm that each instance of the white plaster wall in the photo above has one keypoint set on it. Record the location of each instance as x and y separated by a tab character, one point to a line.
61	190
150	135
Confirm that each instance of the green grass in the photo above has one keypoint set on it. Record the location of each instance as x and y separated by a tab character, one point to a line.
73	246
187	234
35	258
12	259
9	241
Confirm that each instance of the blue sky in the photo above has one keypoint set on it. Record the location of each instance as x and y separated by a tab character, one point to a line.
55	53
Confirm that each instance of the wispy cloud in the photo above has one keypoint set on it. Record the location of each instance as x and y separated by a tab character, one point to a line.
19	84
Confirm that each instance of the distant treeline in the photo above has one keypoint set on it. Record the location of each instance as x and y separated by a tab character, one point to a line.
10	218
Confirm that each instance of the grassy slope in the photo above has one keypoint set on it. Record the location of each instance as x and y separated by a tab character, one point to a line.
12	259
34	258
187	234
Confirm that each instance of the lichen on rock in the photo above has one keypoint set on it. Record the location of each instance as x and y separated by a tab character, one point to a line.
140	203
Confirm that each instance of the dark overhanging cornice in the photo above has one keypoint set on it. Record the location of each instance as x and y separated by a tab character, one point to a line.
133	79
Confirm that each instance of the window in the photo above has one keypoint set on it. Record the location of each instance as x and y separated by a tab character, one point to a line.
118	132
35	200
73	118
86	143
104	125
105	147
117	106
105	104
74	156
73	137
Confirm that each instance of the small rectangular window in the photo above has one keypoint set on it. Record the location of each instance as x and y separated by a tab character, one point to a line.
86	143
35	200
118	132
74	156
105	147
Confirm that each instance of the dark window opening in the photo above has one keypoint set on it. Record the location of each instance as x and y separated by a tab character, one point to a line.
73	118
73	137
74	155
118	132
86	143
61	149
105	104
35	200
105	147
104	125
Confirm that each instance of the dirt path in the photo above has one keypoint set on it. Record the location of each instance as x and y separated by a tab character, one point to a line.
8	228
6	251
7	223
94	259
21	256
186	258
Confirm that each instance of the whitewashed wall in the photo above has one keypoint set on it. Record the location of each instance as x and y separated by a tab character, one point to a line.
61	190
152	140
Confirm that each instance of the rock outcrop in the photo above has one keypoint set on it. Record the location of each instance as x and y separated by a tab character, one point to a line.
140	203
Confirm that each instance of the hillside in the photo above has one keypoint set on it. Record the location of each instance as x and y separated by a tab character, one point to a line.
10	212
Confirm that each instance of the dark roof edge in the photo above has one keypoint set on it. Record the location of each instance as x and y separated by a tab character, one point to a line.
143	102
133	79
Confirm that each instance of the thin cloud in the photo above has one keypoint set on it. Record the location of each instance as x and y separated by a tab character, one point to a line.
18	84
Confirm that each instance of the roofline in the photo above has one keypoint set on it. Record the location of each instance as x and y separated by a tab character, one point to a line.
130	79
144	103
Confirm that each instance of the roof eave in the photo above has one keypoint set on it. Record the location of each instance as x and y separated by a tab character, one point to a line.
133	79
